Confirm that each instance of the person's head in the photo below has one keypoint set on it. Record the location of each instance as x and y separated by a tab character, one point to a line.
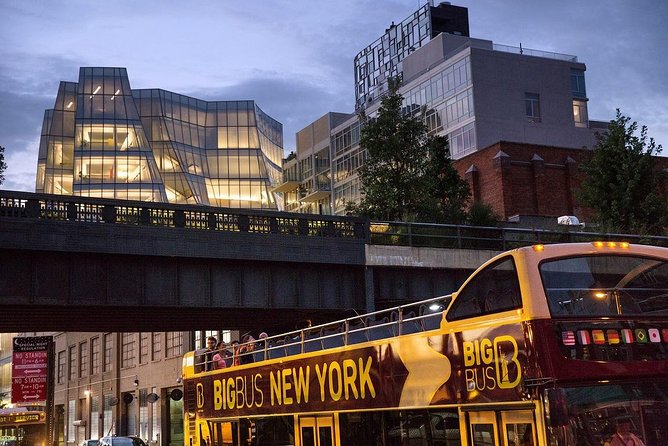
263	336
623	425
221	345
211	342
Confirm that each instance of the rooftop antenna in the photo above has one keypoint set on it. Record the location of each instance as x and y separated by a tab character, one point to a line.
521	50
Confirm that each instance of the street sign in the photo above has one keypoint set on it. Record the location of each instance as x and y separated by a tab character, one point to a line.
30	369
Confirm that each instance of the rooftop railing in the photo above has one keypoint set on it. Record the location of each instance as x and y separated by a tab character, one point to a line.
535	53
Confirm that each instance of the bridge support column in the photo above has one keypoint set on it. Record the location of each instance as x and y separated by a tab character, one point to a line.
369	289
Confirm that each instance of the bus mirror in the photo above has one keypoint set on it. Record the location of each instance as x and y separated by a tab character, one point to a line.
556	408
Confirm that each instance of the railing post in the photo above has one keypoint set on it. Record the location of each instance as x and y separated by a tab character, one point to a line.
212	220
302	224
503	239
109	213
244	223
71	211
410	234
459	237
179	218
32	208
145	216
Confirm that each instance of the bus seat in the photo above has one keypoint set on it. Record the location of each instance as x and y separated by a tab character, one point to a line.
430	320
357	333
410	324
312	340
278	350
293	345
332	337
378	329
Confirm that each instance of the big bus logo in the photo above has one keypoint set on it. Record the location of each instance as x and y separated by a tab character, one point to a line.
200	395
491	363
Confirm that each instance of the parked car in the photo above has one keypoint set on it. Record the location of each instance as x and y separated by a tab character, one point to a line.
90	443
121	441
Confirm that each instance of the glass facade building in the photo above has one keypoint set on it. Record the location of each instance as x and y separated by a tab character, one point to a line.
103	139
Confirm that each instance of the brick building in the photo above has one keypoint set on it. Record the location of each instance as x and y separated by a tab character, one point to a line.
519	179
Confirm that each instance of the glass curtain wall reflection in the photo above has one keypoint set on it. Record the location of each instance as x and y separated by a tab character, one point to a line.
103	139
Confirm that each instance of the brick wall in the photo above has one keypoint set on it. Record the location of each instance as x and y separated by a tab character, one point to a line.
527	179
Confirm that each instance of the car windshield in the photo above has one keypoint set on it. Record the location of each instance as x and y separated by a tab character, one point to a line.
125	441
606	285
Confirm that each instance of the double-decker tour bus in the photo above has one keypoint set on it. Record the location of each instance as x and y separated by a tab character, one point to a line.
544	345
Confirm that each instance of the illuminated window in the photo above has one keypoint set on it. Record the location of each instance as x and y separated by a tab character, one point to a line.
580	113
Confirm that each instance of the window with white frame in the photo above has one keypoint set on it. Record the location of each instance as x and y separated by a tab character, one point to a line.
61	367
95	356
108	350
156	346
72	353
532	106
174	344
128	350
83	359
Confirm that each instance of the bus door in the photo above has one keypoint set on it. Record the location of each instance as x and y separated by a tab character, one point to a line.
483	428
518	428
317	431
510	427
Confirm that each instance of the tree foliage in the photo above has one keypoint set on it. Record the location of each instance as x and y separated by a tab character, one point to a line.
3	165
621	183
407	175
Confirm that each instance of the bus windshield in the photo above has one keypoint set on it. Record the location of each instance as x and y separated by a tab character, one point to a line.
606	285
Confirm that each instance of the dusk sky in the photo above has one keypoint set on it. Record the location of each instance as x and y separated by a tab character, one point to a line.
295	57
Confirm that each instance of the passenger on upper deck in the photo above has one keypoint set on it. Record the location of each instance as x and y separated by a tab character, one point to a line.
220	357
235	352
211	343
246	350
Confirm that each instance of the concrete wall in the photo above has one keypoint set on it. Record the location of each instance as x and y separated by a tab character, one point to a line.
500	81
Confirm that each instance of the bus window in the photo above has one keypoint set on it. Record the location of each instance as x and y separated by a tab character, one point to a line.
314	431
273	431
400	428
494	289
605	285
517	428
594	412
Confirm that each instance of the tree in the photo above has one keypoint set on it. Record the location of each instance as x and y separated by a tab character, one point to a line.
621	183
407	175
3	165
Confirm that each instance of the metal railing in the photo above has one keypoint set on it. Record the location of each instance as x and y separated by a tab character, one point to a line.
138	213
406	319
492	238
